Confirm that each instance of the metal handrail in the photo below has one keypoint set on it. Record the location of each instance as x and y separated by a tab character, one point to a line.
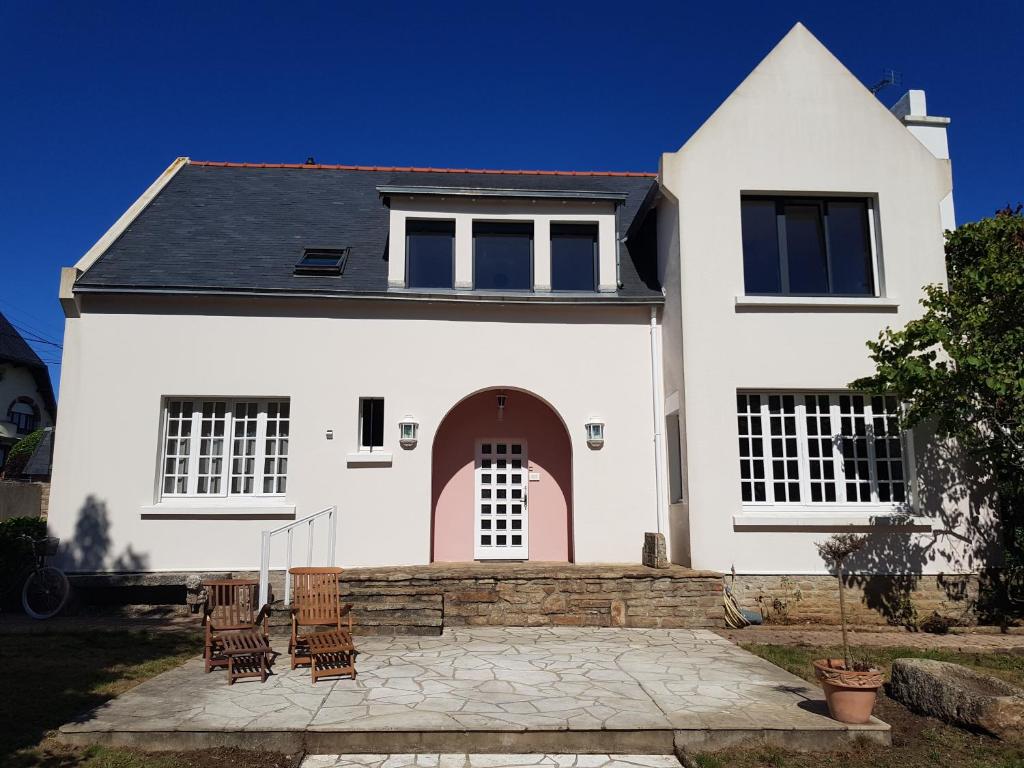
332	521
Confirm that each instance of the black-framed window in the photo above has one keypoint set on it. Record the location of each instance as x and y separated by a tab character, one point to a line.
430	253
371	423
807	246
24	414
574	257
502	256
322	261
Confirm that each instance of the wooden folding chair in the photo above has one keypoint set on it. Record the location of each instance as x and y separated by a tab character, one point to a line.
316	602
236	634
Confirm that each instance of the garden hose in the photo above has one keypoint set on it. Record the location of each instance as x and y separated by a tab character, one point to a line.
733	615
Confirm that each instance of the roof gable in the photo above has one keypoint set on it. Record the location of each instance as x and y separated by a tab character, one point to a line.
801	80
14	348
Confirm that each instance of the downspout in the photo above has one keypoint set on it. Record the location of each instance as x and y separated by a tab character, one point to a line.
618	251
659	469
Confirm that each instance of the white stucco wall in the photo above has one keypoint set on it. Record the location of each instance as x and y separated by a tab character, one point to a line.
799	123
122	356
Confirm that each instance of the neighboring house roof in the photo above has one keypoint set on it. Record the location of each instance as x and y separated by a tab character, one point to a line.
41	460
15	350
240	228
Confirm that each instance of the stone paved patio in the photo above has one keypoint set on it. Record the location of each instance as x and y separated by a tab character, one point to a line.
549	690
490	761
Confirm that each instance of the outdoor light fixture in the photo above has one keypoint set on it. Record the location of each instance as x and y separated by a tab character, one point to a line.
408	432
502	401
595	433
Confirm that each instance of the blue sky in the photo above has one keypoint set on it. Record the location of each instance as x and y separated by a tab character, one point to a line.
99	97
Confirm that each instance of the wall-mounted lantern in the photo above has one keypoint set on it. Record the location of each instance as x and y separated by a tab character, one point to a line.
595	433
408	432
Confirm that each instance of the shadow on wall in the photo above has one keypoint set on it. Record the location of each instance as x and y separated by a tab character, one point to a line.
89	549
965	534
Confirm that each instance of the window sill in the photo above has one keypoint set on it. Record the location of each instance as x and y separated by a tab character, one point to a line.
840	517
816	303
369	459
193	509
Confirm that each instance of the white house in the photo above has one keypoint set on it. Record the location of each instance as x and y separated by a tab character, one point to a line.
26	395
516	365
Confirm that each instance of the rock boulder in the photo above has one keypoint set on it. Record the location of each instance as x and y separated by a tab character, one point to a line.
960	695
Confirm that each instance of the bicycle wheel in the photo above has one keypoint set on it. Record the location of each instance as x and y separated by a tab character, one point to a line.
45	592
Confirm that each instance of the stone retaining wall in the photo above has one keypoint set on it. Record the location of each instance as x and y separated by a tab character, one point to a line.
897	600
23	499
425	599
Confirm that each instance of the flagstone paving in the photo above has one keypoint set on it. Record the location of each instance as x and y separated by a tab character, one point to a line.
641	684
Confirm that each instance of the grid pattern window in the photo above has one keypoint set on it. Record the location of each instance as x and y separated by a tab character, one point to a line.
820	449
502	256
574	257
371	423
808	246
430	253
225	447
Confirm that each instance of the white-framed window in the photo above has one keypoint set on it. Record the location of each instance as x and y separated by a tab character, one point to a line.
221	447
821	449
371	424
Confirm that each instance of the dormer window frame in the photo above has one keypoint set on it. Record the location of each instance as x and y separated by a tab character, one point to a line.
543	211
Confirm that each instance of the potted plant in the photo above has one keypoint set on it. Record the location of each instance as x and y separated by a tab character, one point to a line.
850	686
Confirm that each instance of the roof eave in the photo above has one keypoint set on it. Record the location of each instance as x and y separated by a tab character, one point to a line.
607	299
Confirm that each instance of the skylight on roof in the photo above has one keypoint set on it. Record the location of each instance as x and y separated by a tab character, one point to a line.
322	261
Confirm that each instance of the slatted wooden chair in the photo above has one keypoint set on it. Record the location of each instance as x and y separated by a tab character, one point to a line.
236	633
316	603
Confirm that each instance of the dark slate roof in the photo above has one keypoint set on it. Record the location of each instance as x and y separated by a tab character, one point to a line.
241	228
14	349
41	460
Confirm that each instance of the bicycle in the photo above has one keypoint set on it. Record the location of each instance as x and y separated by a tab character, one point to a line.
46	588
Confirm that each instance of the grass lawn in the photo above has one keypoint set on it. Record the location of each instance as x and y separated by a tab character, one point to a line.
917	741
48	679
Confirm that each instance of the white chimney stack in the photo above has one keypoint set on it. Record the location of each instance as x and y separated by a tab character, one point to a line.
912	109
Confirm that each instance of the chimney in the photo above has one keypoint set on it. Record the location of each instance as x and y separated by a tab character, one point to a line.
912	110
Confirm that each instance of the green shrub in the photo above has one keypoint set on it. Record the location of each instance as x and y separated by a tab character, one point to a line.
21	453
16	553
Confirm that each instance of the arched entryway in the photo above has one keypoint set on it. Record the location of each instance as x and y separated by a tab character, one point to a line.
501	481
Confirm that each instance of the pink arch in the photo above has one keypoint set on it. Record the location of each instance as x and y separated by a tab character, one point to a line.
526	417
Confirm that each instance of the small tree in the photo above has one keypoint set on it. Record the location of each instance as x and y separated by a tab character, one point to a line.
835	550
960	365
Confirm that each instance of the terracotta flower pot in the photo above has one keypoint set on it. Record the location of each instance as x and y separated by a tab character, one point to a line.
850	694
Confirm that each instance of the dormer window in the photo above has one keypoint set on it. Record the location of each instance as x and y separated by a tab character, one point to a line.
574	257
430	253
502	256
322	261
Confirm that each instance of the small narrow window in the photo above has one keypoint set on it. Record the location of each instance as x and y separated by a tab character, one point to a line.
675	457
322	261
430	253
371	423
502	256
573	257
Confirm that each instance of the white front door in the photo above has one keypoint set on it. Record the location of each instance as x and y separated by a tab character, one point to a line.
502	478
